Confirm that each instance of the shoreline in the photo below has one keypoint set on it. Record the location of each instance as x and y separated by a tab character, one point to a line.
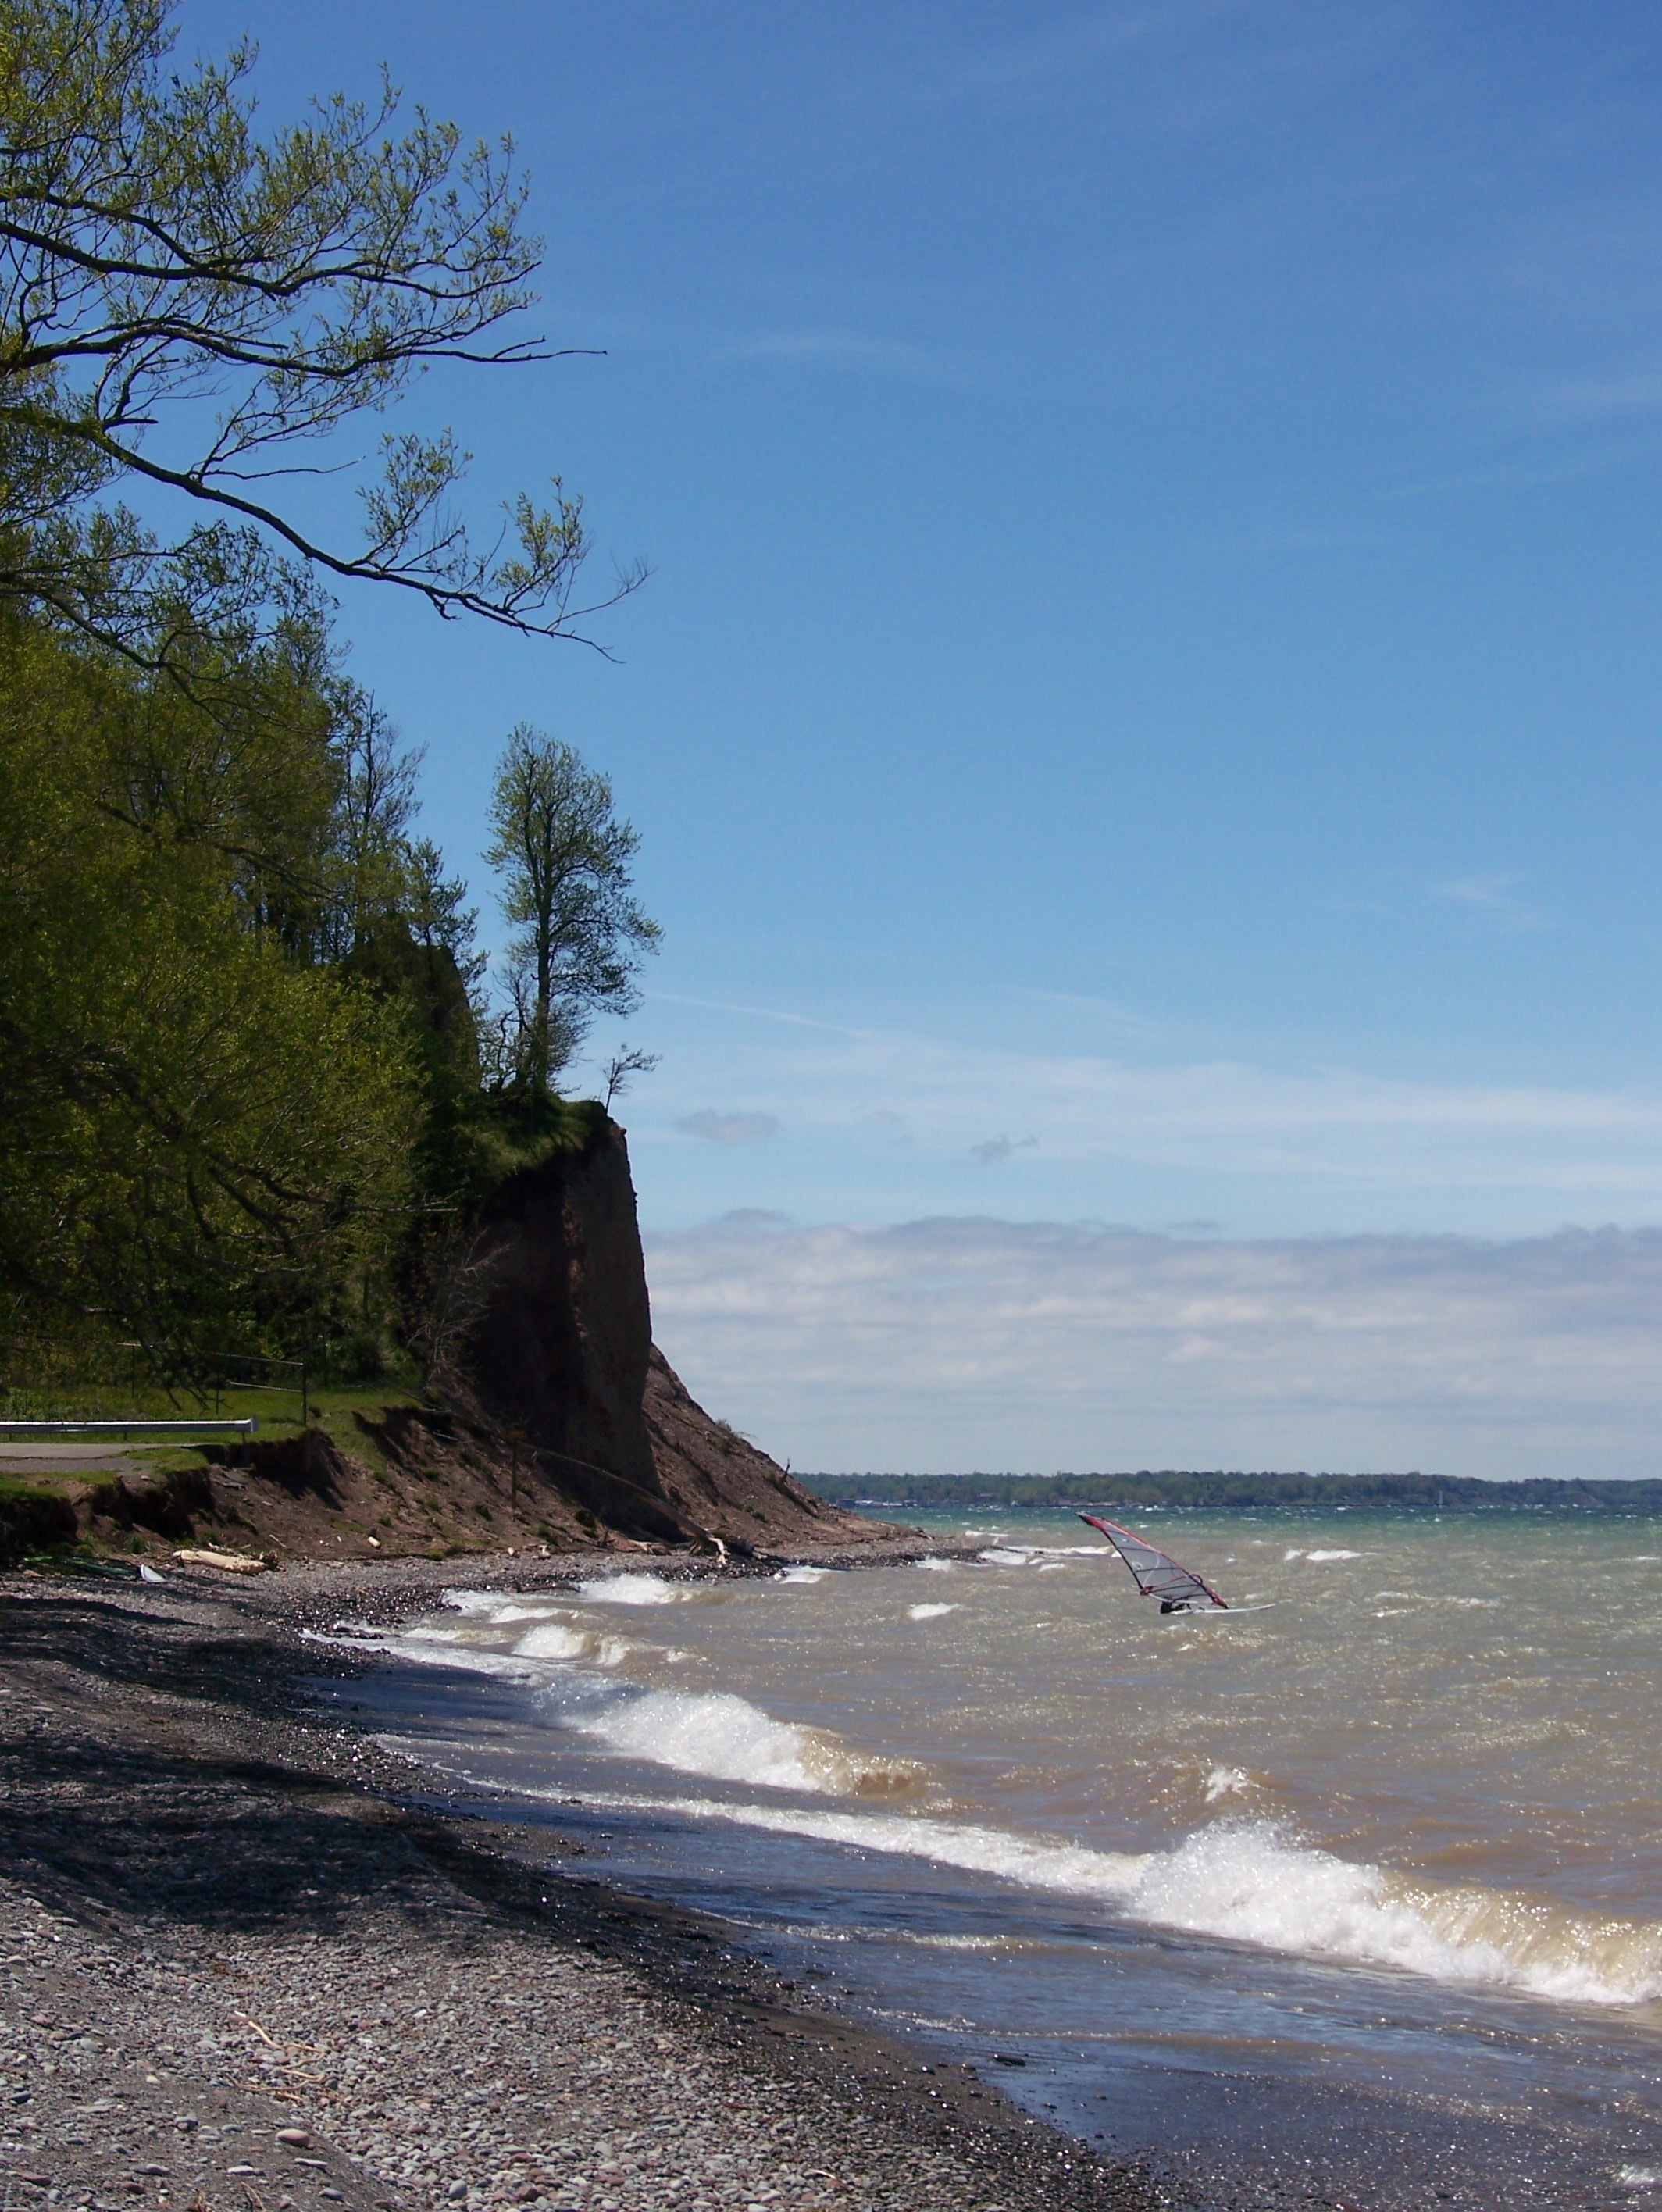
226	1919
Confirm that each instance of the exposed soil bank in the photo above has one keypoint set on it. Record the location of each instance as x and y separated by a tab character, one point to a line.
552	1420
246	1973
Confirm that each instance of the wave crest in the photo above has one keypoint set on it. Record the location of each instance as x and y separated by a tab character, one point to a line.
728	1739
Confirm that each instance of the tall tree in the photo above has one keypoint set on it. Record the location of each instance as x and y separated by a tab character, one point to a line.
564	859
186	302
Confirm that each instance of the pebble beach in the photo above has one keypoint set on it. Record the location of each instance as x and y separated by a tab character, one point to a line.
248	1965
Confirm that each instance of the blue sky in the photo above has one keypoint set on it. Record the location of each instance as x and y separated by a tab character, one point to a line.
1145	710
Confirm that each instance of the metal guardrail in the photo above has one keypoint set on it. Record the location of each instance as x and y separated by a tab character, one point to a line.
29	1429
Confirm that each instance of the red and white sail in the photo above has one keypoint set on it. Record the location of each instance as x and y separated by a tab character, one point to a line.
1179	1589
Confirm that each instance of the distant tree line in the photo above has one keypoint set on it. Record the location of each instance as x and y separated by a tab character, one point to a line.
253	1072
1422	1493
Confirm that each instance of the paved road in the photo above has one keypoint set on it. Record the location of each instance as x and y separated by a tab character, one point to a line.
42	1458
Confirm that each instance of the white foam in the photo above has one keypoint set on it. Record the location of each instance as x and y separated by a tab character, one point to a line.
1028	1555
433	1647
977	1851
634	1589
454	1647
1638	2177
1253	1883
1250	1882
1227	1781
558	1641
928	1612
1318	1558
932	1566
801	1575
729	1739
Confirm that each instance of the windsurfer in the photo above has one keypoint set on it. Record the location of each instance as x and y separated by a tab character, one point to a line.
1157	1574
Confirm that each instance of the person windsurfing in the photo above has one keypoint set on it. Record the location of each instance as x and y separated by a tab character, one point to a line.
1156	1574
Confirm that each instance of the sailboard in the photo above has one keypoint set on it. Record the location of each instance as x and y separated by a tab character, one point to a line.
1179	1589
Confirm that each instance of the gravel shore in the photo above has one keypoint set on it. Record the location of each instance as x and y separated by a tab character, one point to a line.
241	1972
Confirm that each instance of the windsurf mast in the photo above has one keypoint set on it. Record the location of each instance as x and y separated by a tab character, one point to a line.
1179	1589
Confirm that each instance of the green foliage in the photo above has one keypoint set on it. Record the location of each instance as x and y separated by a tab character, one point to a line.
1425	1493
202	1139
508	1133
564	859
241	1106
251	1088
185	300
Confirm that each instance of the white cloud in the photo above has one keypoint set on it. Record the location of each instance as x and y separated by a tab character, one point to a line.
1140	1137
728	1128
972	1342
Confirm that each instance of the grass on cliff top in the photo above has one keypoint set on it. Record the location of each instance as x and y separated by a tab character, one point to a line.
334	1408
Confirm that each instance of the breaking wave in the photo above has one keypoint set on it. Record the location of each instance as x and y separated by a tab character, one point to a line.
714	1734
634	1589
728	1739
558	1641
1232	1877
1251	1882
429	1647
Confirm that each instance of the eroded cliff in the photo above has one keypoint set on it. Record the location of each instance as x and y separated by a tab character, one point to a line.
558	1422
562	1350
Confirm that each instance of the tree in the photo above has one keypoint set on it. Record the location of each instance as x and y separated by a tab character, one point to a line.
625	1064
185	303
564	860
205	1142
375	804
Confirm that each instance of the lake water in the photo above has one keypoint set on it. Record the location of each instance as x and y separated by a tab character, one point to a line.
1356	1887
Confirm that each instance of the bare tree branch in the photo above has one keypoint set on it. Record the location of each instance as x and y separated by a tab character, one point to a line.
159	262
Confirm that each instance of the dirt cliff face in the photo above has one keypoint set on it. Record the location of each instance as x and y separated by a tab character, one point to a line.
717	1478
562	1425
562	1349
560	1344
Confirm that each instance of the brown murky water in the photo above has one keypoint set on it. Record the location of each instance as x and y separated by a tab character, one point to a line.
1394	1824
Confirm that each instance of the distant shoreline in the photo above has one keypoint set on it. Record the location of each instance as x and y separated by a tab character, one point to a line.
1180	1488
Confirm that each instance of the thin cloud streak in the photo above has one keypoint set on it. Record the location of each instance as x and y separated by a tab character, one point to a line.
1493	894
1327	1126
974	1342
728	1128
